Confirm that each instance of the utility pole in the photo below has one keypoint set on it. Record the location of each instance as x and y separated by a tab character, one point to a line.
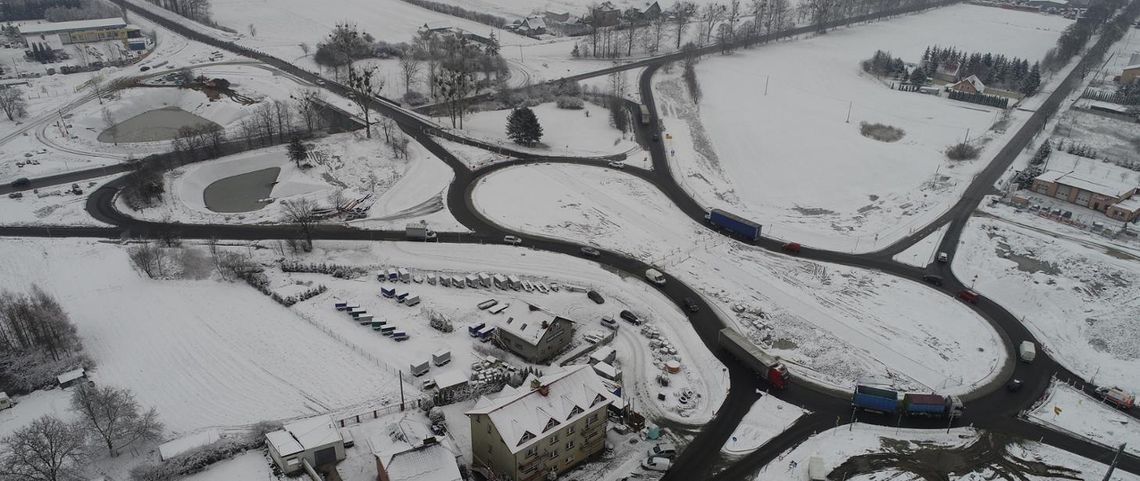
401	390
1112	467
849	104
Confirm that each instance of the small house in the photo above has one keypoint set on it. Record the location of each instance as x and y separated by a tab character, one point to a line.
535	25
5	401
450	385
971	84
604	354
607	371
314	442
409	451
557	16
1130	74
535	334
71	378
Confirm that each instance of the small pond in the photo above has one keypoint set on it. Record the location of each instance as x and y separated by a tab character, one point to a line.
152	126
241	192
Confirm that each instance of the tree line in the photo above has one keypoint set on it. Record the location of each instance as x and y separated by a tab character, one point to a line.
85	10
196	10
37	341
12	10
997	70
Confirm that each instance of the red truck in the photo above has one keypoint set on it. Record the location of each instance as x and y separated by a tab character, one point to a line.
1122	400
768	366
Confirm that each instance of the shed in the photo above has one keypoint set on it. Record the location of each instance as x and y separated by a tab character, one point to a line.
314	441
449	384
5	401
607	371
71	378
604	354
1130	74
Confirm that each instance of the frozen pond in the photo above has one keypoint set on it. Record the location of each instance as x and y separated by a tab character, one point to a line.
152	126
241	192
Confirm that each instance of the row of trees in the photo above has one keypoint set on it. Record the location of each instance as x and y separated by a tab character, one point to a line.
51	449
196	10
12	10
995	70
13	102
37	341
86	10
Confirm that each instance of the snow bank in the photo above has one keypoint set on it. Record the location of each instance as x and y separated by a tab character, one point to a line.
768	418
585	132
1068	410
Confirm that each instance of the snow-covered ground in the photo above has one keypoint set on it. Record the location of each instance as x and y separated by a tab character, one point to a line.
403	190
922	252
755	137
585	132
768	417
1078	298
833	324
248	466
1069	410
57	206
911	455
53	402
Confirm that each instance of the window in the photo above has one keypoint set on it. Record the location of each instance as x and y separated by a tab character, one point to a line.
570	444
554	440
597	399
490	448
531	452
574	412
488	429
570	460
550	424
527	436
570	430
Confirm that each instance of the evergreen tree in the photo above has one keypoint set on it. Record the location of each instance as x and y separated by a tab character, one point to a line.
523	127
1032	80
918	76
297	150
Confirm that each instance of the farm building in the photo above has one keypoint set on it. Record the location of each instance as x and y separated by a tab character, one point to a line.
513	434
409	451
71	378
306	444
534	333
971	84
1130	74
79	31
1096	194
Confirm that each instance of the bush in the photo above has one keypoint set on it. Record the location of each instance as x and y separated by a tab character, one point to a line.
881	132
962	151
570	103
199	459
414	98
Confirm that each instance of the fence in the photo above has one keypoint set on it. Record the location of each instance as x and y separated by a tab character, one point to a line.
981	99
376	412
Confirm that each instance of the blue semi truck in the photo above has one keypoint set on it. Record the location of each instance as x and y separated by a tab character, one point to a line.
734	223
876	399
912	404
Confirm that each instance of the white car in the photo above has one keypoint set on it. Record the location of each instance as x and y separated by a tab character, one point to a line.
655	276
943	257
512	239
617	164
656	464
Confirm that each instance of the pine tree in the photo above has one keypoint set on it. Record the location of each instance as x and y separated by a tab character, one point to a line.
1032	80
297	150
918	76
523	127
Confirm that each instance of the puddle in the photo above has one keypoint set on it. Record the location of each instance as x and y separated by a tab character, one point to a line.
152	126
242	192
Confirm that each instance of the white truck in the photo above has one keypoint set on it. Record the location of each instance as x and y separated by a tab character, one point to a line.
1027	351
419	232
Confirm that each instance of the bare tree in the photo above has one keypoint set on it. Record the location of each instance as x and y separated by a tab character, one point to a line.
113	417
302	213
657	30
12	102
453	87
820	12
410	67
146	257
387	125
48	449
682	13
400	146
109	123
364	87
308	105
732	16
711	15
633	22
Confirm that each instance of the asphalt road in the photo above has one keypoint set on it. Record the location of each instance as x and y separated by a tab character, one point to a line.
990	408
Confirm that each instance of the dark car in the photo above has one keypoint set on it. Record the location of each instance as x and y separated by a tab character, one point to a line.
21	182
691	305
1013	385
590	251
932	279
630	318
597	298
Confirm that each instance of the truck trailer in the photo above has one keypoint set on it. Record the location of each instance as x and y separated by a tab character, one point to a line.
734	223
419	369
934	405
441	357
419	232
769	367
870	398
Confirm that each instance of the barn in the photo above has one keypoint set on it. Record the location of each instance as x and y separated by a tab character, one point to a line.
306	444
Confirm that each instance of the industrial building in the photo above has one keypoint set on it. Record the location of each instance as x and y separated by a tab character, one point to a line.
57	34
1110	196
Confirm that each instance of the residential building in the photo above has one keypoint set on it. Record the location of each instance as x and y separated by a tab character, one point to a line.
971	84
535	334
1097	194
408	451
79	31
533	25
306	444
545	427
604	15
1130	74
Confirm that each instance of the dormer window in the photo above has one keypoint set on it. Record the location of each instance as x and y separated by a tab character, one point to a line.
550	424
597	399
527	436
574	412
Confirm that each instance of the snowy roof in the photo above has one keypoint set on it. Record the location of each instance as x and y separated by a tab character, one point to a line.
450	379
403	435
1104	187
606	370
1130	67
71	375
304	434
1109	106
1130	205
602	353
535	22
526	323
570	395
432	462
4	396
975	81
54	27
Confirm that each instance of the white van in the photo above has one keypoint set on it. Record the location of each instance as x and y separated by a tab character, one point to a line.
655	276
1028	351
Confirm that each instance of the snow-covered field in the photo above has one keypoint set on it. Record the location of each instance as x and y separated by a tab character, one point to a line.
834	324
205	353
772	139
1069	410
912	455
922	252
768	418
1079	299
585	132
56	207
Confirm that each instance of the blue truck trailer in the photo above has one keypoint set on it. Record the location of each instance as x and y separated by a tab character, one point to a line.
734	223
875	399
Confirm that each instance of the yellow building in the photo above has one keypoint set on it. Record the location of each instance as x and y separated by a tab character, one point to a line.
1130	74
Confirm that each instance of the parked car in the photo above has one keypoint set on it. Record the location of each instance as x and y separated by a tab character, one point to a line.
597	298
793	247
428	384
691	305
16	195
656	464
609	322
630	317
590	251
617	164
663	450
21	182
943	257
655	276
932	279
512	239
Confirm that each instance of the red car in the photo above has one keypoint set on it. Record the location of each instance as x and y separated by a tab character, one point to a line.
969	295
793	247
